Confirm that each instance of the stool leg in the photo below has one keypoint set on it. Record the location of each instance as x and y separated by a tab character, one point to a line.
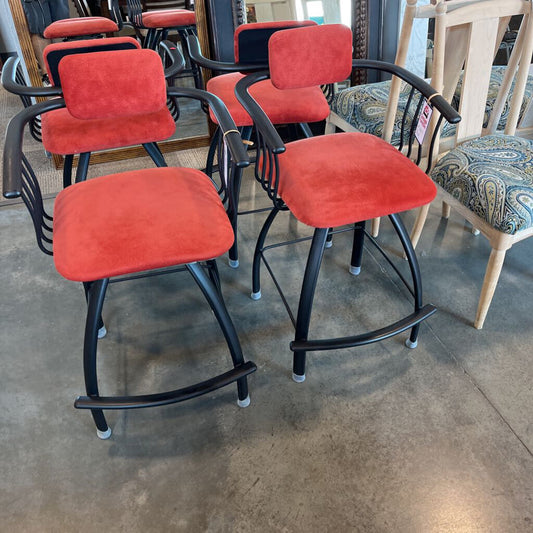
212	271
67	170
152	149
306	130
96	295
357	248
412	341
306	299
256	266
83	166
214	298
234	187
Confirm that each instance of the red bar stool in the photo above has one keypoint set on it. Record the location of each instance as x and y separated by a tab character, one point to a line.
65	134
298	106
159	22
130	224
338	180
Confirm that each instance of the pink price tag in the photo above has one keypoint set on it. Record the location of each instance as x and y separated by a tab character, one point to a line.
423	122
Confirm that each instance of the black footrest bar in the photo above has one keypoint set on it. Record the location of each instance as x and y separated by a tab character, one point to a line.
165	398
365	338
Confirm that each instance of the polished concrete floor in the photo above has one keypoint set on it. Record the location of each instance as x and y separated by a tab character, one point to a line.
377	439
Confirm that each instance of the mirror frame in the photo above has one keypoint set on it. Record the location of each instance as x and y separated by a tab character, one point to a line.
105	156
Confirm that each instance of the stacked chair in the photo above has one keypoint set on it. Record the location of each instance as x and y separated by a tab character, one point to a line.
128	225
294	106
337	181
487	176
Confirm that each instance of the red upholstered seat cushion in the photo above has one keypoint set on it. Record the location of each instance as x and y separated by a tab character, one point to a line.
282	107
136	221
64	134
168	18
339	179
113	84
79	26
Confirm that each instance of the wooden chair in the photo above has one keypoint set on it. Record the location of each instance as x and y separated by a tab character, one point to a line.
377	108
487	176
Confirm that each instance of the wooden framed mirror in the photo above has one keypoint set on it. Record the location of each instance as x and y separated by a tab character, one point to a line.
182	141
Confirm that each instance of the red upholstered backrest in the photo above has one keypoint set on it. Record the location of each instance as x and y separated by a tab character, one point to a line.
250	41
55	52
113	84
315	55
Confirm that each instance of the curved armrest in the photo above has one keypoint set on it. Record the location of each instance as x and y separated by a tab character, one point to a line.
9	73
227	125
263	123
12	168
436	100
177	61
196	55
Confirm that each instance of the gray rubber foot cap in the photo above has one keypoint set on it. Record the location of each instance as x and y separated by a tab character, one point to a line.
297	378
104	434
329	244
256	295
233	263
245	402
410	344
102	332
355	271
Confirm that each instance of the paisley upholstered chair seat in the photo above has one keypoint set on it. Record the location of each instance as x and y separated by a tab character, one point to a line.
364	106
493	177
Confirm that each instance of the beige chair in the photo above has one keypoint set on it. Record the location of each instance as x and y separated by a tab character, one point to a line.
377	108
477	177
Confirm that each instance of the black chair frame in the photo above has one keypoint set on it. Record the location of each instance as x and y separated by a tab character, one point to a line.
20	182
269	146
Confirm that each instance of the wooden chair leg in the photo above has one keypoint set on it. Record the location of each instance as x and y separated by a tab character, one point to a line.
492	274
419	224
374	227
330	127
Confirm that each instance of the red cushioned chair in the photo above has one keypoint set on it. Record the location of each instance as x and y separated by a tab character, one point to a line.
129	223
67	134
144	15
293	106
338	180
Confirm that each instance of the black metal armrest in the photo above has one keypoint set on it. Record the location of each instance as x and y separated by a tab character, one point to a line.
177	61
12	168
269	132
437	101
196	55
9	82
227	125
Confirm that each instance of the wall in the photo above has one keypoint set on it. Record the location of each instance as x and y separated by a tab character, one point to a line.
8	34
